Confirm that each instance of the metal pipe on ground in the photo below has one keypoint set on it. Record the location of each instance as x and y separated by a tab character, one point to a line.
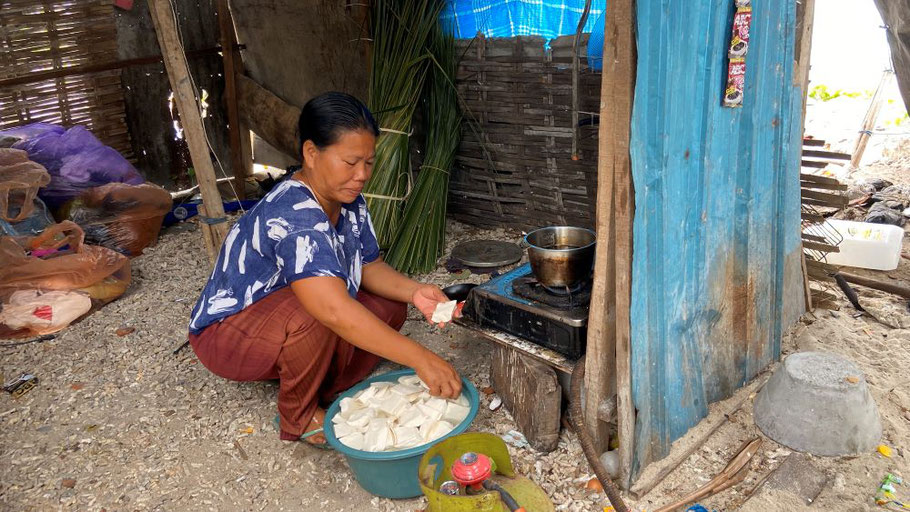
576	417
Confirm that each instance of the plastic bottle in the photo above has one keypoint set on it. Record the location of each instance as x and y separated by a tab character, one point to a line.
867	245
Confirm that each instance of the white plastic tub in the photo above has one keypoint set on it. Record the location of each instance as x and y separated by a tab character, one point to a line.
867	245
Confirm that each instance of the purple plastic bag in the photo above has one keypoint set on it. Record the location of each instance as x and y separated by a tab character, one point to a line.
75	159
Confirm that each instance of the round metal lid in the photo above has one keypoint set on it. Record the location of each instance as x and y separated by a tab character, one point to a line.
487	253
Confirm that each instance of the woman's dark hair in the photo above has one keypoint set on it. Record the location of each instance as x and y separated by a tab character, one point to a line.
324	118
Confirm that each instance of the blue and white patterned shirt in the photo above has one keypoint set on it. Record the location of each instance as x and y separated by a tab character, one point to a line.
287	236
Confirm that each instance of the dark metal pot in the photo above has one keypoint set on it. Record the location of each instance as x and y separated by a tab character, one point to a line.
562	257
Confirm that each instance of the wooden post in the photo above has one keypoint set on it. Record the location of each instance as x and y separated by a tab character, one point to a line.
871	117
609	338
228	54
805	22
178	73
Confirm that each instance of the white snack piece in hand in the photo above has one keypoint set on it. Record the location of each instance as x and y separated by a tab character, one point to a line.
411	380
444	312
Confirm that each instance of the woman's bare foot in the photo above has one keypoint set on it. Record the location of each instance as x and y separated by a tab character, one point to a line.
315	423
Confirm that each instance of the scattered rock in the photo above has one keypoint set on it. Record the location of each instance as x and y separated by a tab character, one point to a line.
878	183
860	191
880	213
123	331
68	483
840	482
594	485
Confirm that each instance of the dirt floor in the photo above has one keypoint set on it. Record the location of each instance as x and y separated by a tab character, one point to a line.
122	423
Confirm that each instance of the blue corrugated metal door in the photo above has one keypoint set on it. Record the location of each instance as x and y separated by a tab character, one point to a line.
716	229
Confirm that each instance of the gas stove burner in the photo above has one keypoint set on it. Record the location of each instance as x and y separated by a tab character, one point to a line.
517	304
529	288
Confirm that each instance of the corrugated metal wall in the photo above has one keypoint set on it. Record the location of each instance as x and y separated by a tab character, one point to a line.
716	269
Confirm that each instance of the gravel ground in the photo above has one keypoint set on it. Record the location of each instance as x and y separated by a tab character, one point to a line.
121	423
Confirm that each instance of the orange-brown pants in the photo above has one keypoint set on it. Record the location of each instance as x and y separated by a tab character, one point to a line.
275	338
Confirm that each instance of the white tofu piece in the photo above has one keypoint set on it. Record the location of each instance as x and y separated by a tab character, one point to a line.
462	401
378	439
438	404
455	413
411	380
435	429
406	390
412	417
354	440
339	418
444	312
361	418
378	422
406	437
344	430
366	395
348	405
393	405
376	391
429	413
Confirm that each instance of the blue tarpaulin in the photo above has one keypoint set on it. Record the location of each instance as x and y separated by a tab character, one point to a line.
507	18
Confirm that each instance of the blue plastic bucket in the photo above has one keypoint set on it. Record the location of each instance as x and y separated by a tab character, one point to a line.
391	474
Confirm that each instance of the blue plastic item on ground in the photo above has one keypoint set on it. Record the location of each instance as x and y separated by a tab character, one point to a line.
184	211
391	474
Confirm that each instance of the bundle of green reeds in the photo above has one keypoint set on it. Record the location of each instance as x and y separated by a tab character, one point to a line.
421	236
399	68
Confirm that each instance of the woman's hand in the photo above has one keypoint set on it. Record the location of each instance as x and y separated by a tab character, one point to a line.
440	376
426	297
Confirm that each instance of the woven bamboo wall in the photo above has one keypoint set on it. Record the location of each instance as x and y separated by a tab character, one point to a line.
523	175
44	35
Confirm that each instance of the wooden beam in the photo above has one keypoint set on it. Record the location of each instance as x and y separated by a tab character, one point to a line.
868	282
623	49
805	23
228	38
178	73
39	76
871	116
609	338
531	392
272	118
